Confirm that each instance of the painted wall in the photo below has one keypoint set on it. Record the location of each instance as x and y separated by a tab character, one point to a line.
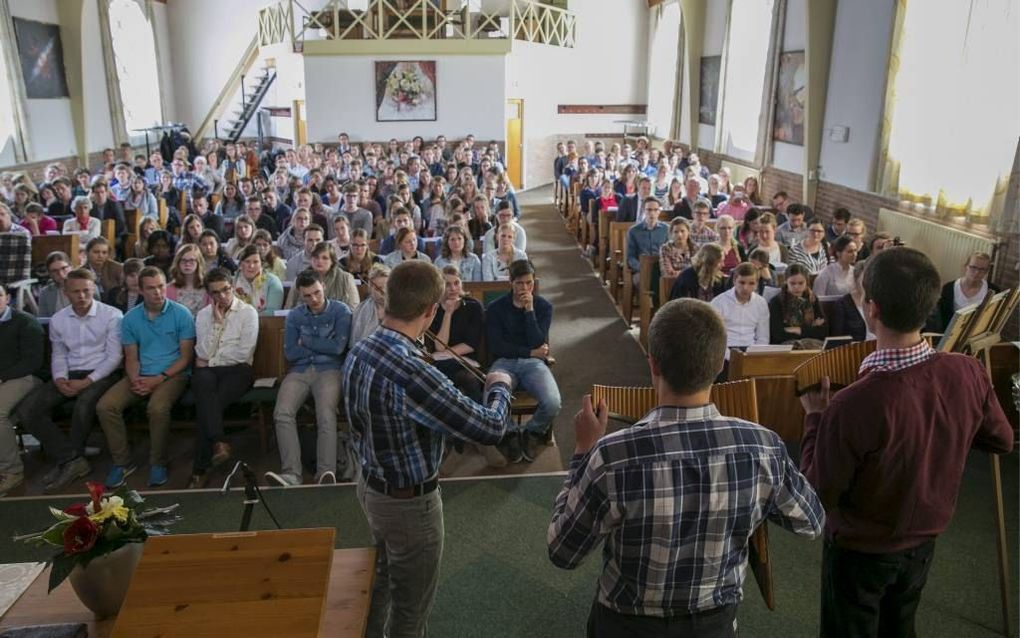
161	14
470	98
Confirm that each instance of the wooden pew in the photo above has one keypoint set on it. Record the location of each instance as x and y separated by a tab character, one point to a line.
267	362
132	219
110	231
43	245
606	218
617	245
779	408
647	304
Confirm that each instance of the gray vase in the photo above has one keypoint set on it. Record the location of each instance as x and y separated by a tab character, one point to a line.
102	585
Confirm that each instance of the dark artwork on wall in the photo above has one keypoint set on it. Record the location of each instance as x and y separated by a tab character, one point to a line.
405	91
791	93
709	89
42	59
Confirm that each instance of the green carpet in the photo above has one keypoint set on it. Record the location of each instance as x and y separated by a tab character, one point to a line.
497	580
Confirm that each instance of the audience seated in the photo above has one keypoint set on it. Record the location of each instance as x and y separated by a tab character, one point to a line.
255	285
454	252
837	278
213	254
517	335
299	261
406	248
36	221
840	219
87	353
244	235
648	237
701	233
210	220
736	206
341	242
733	251
356	216
159	341
22	337
675	255
847	319
968	290
160	249
704	279
744	312
336	282
796	313
692	193
129	294
292	240
316	335
504	215
83	224
369	313
186	282
271	261
496	263
631	204
812	251
793	231
779	254
108	273
226	331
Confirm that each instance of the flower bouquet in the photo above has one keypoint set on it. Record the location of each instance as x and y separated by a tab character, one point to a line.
404	88
107	523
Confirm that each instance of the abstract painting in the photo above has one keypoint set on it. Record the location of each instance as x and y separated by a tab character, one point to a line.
42	59
791	93
709	89
405	91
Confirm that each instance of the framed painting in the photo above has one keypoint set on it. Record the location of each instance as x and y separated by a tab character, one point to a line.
791	93
709	99
42	59
405	91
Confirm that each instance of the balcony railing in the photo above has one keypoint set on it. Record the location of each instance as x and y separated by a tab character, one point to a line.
290	21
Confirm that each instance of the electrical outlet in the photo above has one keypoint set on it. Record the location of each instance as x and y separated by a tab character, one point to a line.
839	134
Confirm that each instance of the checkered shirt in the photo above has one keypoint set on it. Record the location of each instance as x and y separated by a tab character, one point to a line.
675	498
15	257
893	359
401	409
704	236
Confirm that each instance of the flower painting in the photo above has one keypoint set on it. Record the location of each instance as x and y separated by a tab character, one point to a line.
405	91
791	93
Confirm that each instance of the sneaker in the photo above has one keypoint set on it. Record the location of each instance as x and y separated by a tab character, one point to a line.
198	481
10	481
221	453
281	480
158	475
533	445
118	473
510	447
327	478
71	471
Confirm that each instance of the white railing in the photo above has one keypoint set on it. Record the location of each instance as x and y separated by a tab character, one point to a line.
290	21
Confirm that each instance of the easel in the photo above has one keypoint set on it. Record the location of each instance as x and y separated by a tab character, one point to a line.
982	331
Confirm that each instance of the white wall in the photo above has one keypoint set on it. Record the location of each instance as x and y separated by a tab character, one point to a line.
340	96
166	81
98	125
663	55
716	14
857	79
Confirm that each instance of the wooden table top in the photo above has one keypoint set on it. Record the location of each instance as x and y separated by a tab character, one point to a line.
346	608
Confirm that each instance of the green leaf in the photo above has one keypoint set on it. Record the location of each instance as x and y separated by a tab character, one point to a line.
60	568
60	515
55	534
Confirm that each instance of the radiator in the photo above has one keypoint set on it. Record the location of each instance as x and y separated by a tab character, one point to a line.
948	247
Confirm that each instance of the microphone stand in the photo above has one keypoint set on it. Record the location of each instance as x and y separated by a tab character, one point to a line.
252	495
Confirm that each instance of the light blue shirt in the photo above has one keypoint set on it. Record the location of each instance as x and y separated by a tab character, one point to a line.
470	267
158	339
642	240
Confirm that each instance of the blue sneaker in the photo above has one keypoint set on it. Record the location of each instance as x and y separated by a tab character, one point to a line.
158	476
117	475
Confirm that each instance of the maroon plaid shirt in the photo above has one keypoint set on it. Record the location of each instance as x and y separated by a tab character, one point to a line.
892	359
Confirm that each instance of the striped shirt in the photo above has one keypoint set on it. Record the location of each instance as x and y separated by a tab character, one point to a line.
894	359
814	262
676	497
401	408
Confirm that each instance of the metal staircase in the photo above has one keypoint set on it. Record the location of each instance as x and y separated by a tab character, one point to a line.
250	102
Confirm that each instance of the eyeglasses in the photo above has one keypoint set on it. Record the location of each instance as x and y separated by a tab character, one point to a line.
977	268
190	261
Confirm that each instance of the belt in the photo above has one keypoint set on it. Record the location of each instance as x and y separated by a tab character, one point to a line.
400	492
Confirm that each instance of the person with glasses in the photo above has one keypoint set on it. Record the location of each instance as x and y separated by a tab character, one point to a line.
52	297
226	332
732	252
857	231
360	260
968	290
813	251
186	285
701	232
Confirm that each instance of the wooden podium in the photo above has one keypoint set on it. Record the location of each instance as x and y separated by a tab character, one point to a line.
271	583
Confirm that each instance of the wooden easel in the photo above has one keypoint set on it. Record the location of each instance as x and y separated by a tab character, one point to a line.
983	332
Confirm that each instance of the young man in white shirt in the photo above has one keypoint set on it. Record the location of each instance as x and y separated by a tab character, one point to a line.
744	312
226	332
86	338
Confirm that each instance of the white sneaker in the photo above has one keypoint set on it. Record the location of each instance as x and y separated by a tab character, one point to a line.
327	478
281	480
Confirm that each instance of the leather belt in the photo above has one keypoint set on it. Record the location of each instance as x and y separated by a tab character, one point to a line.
411	491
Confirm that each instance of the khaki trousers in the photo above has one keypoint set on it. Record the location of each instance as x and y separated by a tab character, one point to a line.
110	411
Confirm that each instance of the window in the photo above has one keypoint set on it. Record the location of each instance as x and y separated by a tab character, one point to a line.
953	106
134	51
744	82
7	140
662	69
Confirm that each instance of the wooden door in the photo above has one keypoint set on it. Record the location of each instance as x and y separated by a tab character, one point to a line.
514	141
300	125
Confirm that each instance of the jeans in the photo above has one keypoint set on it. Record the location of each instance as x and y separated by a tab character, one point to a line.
215	388
534	376
408	536
324	386
36	414
715	623
111	417
872	594
12	392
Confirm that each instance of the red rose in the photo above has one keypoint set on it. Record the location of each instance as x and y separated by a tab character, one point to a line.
78	509
96	492
80	536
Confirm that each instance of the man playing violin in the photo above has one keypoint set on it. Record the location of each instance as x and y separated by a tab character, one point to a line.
401	409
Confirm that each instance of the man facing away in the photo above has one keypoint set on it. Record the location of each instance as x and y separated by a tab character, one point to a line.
887	453
675	497
401	410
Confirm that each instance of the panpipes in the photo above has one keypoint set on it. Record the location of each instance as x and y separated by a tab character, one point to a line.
839	364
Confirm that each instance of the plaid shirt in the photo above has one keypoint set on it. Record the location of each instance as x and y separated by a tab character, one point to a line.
15	256
676	498
893	359
401	408
704	236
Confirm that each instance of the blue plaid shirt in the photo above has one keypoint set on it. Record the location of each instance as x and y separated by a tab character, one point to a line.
401	408
676	497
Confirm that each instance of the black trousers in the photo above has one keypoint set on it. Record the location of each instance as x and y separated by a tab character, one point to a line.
35	413
215	388
464	380
716	623
872	595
